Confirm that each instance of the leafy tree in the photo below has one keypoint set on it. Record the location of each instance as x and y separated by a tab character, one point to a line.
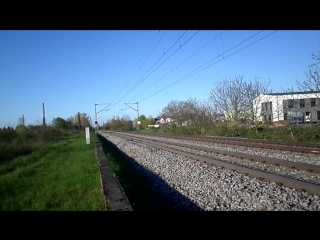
60	123
142	117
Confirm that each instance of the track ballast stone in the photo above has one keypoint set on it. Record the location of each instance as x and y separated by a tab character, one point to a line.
213	188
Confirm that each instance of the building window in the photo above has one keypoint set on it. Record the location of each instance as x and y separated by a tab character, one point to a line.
270	106
302	103
266	106
262	106
270	118
313	102
307	117
265	118
318	115
290	104
285	116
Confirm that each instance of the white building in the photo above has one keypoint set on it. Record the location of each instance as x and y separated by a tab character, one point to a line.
288	106
163	119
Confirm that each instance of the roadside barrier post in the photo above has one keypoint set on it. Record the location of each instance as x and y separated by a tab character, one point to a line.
87	135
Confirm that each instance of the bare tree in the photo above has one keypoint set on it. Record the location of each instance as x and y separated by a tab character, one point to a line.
183	112
253	89
126	123
85	120
191	114
173	108
228	95
21	121
126	117
204	117
312	82
235	97
78	120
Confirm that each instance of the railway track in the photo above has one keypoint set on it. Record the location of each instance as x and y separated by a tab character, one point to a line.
300	176
312	148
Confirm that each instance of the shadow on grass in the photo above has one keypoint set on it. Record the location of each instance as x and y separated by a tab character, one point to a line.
145	190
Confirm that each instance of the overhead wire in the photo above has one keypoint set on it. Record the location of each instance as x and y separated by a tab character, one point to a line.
155	45
141	58
142	79
184	60
186	76
143	63
138	83
145	59
227	51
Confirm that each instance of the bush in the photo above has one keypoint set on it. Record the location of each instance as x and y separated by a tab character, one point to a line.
7	135
301	133
24	140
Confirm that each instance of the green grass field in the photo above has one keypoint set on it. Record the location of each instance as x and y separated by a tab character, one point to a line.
62	176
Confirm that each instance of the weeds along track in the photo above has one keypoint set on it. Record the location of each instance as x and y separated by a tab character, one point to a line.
297	175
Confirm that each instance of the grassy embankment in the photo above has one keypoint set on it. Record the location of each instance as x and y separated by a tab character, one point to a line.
48	169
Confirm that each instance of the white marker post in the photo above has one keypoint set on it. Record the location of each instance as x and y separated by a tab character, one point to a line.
87	135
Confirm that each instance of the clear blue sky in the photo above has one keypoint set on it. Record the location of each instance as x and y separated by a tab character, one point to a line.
70	71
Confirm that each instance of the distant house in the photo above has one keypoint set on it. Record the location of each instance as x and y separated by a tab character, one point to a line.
160	120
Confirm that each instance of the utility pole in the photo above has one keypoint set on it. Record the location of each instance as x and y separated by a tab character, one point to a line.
79	120
23	119
137	110
44	118
96	113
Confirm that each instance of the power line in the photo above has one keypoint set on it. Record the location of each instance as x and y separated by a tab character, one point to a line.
232	53
129	79
141	80
155	46
142	56
185	60
186	76
138	83
163	48
215	57
145	60
227	51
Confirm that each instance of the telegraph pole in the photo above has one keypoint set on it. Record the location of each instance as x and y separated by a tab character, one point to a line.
23	119
137	110
44	118
96	113
79	120
138	113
